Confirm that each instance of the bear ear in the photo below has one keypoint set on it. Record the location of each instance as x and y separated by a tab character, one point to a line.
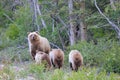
28	32
37	32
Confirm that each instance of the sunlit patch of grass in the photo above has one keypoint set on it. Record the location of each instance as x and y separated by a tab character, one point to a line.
7	74
57	75
38	72
91	74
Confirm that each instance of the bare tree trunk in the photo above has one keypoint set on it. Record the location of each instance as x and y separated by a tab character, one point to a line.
53	25
61	40
72	30
40	14
112	4
35	20
114	26
83	27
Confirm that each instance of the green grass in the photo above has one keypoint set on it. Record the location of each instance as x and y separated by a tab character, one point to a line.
37	72
18	64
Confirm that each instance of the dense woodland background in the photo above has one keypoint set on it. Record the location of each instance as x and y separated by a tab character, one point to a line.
90	26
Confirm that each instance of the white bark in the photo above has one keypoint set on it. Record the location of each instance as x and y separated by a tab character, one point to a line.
72	36
83	27
35	14
53	25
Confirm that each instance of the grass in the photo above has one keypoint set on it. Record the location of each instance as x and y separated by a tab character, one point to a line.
19	66
29	71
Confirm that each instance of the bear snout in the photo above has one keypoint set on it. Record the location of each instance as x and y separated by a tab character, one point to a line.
33	38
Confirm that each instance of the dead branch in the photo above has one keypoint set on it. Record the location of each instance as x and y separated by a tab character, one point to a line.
54	45
39	12
114	26
8	18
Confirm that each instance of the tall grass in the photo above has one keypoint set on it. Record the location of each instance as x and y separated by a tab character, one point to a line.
36	72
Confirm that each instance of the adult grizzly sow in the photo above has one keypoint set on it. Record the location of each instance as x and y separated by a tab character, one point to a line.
75	60
37	42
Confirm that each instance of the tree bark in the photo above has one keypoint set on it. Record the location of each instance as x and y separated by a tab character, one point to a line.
83	27
72	29
35	20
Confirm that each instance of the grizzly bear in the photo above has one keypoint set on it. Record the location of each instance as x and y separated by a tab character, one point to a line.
75	59
37	42
42	58
57	58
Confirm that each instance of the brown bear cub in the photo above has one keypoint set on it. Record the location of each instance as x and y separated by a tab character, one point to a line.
42	58
75	60
57	58
37	42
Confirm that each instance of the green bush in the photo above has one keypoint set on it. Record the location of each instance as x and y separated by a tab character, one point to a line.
105	54
111	63
57	75
12	54
12	32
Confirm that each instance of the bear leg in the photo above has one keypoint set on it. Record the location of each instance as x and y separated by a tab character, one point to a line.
71	66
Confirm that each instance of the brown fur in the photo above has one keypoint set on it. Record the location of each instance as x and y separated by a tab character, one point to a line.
37	42
77	60
43	58
57	58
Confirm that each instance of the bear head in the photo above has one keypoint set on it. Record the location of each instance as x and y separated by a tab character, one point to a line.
33	36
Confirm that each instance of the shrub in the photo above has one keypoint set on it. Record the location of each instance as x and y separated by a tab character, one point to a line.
111	63
12	54
57	75
105	54
12	32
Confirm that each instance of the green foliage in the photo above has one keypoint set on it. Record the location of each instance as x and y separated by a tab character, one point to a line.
57	75
104	54
4	42
36	72
14	54
97	32
53	36
112	59
38	69
12	32
17	20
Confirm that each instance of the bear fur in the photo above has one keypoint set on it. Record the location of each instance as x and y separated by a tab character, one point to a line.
57	58
42	58
37	42
75	59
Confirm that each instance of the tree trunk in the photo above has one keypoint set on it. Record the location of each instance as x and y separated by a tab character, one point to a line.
72	30
39	12
34	11
82	22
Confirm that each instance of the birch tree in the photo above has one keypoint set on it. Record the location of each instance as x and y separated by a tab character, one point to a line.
72	36
83	27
